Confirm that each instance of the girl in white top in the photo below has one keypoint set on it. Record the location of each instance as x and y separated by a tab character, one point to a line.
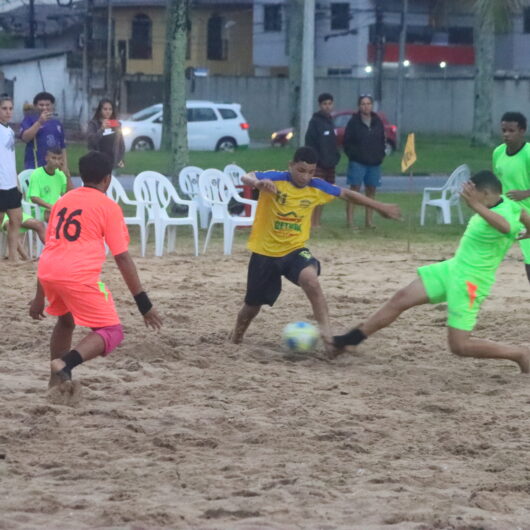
10	196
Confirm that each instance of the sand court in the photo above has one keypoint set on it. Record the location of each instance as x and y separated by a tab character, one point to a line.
181	429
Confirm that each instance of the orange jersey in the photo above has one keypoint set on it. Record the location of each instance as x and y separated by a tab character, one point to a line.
80	224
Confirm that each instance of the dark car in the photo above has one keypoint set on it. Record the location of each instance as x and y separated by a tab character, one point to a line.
340	119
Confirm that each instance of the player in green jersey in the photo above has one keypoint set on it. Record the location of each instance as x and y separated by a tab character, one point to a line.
511	164
465	280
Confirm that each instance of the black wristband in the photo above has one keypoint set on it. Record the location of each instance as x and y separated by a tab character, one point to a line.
143	302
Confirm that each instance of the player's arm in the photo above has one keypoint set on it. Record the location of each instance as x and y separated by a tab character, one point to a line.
65	169
69	184
390	211
36	306
471	196
250	179
130	275
37	200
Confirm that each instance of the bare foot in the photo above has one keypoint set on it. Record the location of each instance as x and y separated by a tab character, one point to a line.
57	365
524	362
353	227
66	393
235	338
370	227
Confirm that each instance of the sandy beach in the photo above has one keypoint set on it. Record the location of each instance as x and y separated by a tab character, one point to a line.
181	429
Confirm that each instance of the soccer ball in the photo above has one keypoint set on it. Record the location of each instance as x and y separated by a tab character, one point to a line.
300	337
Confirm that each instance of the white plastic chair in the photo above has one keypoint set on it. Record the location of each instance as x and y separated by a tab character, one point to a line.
189	184
450	196
217	189
118	195
35	245
235	173
157	193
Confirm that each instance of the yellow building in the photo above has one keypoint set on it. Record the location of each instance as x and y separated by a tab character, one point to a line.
219	39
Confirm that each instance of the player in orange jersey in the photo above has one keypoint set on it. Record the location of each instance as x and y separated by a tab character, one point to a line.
81	222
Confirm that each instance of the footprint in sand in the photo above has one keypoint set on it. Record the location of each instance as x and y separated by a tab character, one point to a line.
67	393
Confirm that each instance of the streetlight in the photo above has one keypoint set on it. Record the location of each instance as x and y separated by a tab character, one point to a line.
368	69
406	63
443	64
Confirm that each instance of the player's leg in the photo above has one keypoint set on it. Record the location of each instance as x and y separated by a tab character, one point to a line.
60	342
354	179
37	226
13	229
264	285
463	344
371	183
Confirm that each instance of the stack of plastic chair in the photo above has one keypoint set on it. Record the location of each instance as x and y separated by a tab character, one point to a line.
158	193
189	184
217	190
118	195
35	245
235	173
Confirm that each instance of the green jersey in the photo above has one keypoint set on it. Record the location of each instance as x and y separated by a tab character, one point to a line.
482	247
47	187
513	170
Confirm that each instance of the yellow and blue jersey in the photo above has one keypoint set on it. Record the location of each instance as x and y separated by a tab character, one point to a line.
283	220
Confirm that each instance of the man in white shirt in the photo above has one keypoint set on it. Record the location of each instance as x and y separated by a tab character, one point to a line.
10	196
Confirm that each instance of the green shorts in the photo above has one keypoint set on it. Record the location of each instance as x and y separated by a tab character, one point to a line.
25	217
463	296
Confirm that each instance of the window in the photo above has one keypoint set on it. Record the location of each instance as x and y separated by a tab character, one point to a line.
140	43
461	36
216	46
340	16
201	114
272	17
526	20
227	114
339	71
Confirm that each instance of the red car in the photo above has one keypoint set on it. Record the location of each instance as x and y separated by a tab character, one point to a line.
340	118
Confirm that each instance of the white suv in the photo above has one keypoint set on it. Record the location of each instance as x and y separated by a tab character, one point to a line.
211	127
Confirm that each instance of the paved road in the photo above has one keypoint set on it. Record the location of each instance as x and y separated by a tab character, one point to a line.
390	183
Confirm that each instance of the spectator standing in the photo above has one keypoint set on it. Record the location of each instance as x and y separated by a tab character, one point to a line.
10	196
364	144
104	133
41	131
321	137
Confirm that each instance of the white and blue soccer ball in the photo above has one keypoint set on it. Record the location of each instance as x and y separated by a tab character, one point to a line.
300	337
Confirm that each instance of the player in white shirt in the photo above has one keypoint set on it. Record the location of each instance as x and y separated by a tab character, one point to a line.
10	196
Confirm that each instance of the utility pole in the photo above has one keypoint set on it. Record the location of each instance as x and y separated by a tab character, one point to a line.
295	35
108	71
401	73
87	53
31	22
307	88
379	55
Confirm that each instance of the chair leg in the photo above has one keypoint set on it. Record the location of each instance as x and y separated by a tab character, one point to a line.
422	214
160	235
143	239
460	214
204	213
228	233
208	234
171	238
196	237
446	213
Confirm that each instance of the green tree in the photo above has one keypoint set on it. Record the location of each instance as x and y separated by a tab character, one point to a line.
178	15
490	16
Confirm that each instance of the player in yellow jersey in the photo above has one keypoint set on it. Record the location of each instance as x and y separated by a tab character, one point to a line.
511	165
279	234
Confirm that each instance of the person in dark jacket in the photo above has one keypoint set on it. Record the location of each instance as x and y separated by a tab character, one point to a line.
104	133
321	137
364	145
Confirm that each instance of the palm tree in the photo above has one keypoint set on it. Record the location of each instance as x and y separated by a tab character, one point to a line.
490	15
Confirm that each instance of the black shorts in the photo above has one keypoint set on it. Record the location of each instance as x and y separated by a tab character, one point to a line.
10	199
264	281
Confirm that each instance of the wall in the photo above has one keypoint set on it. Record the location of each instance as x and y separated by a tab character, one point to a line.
431	105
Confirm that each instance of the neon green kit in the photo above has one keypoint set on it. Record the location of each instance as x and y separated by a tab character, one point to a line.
47	187
514	173
465	280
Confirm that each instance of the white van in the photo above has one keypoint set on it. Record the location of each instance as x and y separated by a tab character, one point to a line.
211	127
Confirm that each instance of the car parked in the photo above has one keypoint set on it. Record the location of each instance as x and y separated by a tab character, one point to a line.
340	120
211	127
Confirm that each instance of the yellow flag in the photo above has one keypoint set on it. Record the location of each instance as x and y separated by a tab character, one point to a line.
409	155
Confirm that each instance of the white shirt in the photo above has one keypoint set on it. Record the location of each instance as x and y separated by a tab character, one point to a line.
8	168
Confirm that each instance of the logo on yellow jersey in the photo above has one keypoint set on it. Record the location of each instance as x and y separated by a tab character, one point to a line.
288	221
